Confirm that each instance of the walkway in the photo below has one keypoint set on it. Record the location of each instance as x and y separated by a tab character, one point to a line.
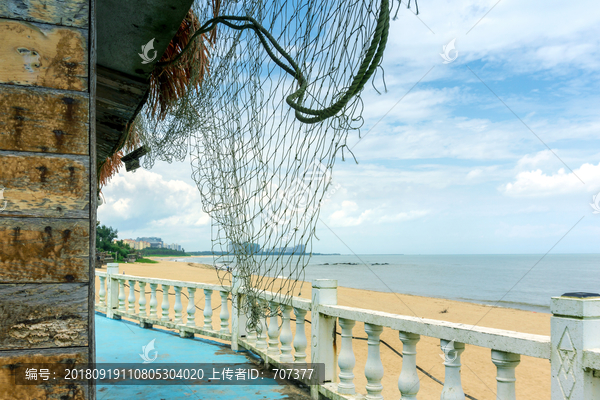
122	342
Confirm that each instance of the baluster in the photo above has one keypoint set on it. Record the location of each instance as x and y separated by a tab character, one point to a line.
261	340
300	341
452	385
224	315
131	298
505	364
251	334
346	359
178	306
102	291
208	312
142	300
273	349
374	367
408	382
153	301
251	337
191	308
286	335
165	306
245	304
121	295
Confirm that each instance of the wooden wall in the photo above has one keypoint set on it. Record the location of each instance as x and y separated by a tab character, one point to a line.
47	169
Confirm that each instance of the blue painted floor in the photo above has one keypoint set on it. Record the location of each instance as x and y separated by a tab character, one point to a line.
123	341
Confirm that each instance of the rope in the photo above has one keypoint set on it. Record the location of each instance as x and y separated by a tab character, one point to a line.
368	66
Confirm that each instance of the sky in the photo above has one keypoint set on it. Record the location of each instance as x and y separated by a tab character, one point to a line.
494	149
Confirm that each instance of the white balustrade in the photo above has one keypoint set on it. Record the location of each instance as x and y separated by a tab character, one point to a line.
208	311
153	301
191	308
573	347
286	335
374	366
131	298
300	341
575	328
251	337
346	359
122	295
165	306
505	376
261	338
102	291
178	307
409	382
273	349
452	384
322	328
142	300
224	315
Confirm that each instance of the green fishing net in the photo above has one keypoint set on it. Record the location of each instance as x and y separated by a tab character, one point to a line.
266	126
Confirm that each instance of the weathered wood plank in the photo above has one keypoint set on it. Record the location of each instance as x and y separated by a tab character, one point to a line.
122	91
43	120
45	185
65	12
9	360
119	99
93	190
43	55
43	315
44	250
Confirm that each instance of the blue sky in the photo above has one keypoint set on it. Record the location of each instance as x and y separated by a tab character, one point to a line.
495	152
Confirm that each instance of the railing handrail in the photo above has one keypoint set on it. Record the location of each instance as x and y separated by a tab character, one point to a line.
497	339
573	347
591	359
294	301
172	282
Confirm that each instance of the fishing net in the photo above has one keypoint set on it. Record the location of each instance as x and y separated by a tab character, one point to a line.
266	125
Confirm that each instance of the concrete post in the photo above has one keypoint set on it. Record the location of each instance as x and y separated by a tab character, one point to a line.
323	339
238	319
112	289
575	327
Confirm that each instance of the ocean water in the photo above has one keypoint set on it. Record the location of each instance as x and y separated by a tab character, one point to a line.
516	281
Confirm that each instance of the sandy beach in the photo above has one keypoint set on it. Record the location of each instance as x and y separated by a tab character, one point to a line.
478	371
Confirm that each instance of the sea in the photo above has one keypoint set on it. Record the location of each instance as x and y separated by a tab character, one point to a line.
515	281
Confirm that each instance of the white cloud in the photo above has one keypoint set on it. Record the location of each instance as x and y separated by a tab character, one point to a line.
121	207
147	203
538	183
538	34
348	215
444	150
403	216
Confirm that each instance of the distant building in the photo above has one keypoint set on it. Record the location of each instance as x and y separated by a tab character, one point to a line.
300	249
134	244
247	248
141	245
130	242
155	242
126	241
